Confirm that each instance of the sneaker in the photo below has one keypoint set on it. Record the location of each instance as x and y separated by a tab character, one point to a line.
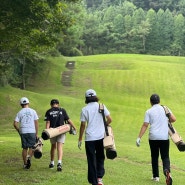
51	166
168	178
156	179
28	163
100	181
59	167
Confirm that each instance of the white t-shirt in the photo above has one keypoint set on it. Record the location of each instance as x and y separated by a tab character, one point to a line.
26	118
95	129
156	117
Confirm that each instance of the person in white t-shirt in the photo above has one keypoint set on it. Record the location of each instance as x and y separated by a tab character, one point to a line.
92	122
26	123
158	137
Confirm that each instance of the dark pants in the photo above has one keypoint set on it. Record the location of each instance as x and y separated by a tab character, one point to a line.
161	146
95	160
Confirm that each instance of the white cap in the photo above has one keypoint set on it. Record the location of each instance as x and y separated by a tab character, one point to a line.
24	101
90	93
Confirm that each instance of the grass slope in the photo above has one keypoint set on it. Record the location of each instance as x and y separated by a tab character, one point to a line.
124	83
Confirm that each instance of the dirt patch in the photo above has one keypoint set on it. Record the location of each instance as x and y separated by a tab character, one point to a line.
66	77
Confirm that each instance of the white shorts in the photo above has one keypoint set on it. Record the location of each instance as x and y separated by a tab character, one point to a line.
60	139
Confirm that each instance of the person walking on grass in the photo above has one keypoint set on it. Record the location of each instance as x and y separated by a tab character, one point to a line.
26	123
56	117
158	137
92	120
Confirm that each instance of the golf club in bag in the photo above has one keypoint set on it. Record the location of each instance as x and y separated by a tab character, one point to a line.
108	141
176	138
52	132
37	148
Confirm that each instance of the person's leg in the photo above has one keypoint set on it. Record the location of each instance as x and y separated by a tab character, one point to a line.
60	142
24	155
100	157
24	141
60	154
154	157
30	152
91	160
164	151
52	151
60	151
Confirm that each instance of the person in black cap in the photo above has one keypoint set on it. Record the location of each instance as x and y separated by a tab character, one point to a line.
158	137
56	117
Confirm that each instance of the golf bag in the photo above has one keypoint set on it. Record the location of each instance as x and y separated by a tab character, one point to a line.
175	137
52	132
108	141
37	148
109	144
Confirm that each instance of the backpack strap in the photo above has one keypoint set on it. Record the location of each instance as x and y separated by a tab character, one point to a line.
101	110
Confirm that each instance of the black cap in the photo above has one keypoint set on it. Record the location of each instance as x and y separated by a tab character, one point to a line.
54	101
155	99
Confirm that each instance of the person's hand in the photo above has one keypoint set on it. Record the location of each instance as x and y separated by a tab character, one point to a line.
138	140
79	144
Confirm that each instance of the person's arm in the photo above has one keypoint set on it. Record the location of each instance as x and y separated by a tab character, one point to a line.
16	126
36	127
141	133
82	128
71	123
108	120
143	129
172	118
47	124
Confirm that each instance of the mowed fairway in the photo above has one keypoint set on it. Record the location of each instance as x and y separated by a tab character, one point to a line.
124	83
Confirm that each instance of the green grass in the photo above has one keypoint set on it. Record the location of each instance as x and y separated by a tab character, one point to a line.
124	83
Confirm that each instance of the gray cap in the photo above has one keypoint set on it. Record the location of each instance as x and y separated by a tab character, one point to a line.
90	93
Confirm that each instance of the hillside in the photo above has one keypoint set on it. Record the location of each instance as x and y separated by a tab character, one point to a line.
124	83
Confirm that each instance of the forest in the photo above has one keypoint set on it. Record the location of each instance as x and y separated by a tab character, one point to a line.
32	30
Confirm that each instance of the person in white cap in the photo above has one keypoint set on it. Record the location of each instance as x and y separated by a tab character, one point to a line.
26	123
92	120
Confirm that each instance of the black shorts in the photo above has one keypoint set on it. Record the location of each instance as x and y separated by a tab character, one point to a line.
28	140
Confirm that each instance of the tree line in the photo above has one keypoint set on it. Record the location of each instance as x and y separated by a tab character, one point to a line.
124	28
30	30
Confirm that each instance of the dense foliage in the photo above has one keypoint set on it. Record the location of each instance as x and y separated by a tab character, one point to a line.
29	29
123	27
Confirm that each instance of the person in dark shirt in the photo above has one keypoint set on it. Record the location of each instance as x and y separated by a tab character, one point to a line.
56	117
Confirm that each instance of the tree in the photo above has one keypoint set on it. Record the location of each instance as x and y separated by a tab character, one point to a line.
142	31
138	19
71	40
91	33
27	28
177	47
152	37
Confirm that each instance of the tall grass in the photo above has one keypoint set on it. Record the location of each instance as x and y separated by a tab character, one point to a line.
124	83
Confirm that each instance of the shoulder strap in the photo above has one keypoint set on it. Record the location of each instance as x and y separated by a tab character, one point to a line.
101	110
167	112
